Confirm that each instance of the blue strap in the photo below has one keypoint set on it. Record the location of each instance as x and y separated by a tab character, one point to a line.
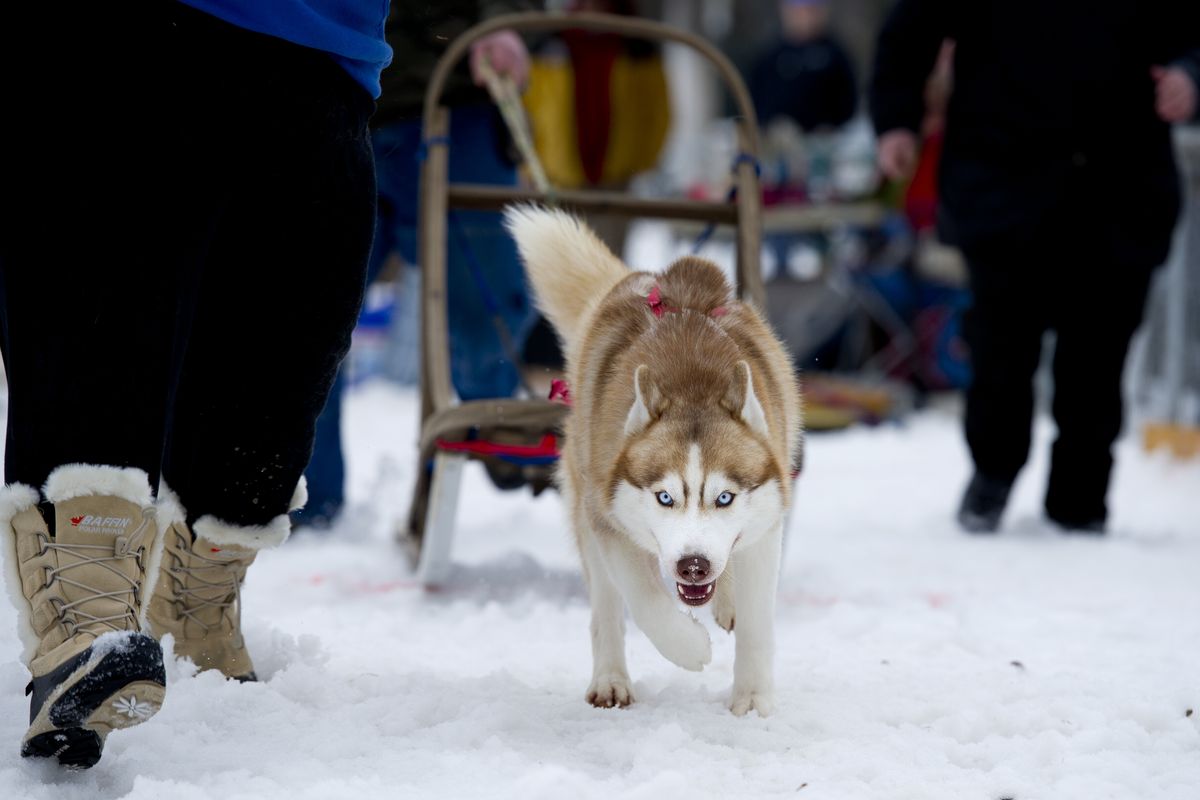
746	158
711	227
706	234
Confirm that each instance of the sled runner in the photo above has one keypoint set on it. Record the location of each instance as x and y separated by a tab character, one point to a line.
521	434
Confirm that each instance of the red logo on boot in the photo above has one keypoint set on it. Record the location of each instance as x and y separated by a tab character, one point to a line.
76	520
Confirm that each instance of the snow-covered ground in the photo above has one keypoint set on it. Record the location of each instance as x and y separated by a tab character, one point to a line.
914	661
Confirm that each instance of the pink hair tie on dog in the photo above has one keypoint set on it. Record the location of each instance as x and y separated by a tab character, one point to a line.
560	391
719	311
654	300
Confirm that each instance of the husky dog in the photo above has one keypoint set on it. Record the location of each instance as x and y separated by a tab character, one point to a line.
679	452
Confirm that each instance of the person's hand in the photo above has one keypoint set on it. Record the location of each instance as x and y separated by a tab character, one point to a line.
506	54
1175	94
898	154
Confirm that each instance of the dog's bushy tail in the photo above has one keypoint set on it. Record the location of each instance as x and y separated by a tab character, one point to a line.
570	269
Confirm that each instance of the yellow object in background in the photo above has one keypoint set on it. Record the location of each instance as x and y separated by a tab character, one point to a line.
639	119
1182	440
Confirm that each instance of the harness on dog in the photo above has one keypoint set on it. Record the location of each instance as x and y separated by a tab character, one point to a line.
546	451
655	302
561	392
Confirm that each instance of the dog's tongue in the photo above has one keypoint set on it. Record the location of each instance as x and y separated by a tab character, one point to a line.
694	595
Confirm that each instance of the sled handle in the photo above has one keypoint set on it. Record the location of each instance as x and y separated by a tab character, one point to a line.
631	27
436	192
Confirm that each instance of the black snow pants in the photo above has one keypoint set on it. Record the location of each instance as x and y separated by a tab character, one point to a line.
1064	277
188	214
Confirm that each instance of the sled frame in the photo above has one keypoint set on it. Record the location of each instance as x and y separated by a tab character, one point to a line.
429	530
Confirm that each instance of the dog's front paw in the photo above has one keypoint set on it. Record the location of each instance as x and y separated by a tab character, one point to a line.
684	642
610	690
745	700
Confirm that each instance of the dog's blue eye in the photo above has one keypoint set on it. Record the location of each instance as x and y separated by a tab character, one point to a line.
665	499
724	499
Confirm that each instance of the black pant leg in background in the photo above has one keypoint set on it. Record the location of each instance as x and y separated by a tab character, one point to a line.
1062	278
1003	330
1094	329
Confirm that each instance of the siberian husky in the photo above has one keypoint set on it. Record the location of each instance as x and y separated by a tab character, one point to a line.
680	447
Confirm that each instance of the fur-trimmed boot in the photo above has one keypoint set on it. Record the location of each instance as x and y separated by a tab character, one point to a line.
78	580
198	595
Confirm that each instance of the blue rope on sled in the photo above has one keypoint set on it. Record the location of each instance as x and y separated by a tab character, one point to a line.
742	158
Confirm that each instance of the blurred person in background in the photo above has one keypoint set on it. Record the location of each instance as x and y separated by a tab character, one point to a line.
920	196
1058	182
806	75
190	200
419	33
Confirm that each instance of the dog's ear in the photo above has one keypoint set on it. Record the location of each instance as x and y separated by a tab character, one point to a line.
645	402
744	402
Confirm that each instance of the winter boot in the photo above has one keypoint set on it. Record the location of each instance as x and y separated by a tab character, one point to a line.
983	504
198	596
79	586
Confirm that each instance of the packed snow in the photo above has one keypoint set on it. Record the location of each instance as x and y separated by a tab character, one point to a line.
914	661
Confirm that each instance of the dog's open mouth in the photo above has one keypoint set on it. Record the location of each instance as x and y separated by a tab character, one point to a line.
695	595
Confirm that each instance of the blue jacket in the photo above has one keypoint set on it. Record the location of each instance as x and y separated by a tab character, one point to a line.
351	31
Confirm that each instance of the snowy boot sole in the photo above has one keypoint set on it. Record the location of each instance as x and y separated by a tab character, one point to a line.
78	704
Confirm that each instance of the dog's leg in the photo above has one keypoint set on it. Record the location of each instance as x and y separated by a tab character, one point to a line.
756	575
677	635
723	608
610	677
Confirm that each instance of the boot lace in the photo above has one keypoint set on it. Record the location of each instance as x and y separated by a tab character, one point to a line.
74	614
211	583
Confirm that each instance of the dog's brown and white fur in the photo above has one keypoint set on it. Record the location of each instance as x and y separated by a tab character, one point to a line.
678	456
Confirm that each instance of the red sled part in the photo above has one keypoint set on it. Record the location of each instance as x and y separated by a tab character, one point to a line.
544	451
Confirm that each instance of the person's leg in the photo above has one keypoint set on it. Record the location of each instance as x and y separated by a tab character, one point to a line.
282	285
478	246
96	246
482	258
108	218
1094	330
281	291
1003	330
326	471
325	475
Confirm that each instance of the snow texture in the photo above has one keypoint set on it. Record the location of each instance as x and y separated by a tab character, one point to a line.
111	642
914	661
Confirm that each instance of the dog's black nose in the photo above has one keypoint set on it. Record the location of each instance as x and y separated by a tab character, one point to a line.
693	569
